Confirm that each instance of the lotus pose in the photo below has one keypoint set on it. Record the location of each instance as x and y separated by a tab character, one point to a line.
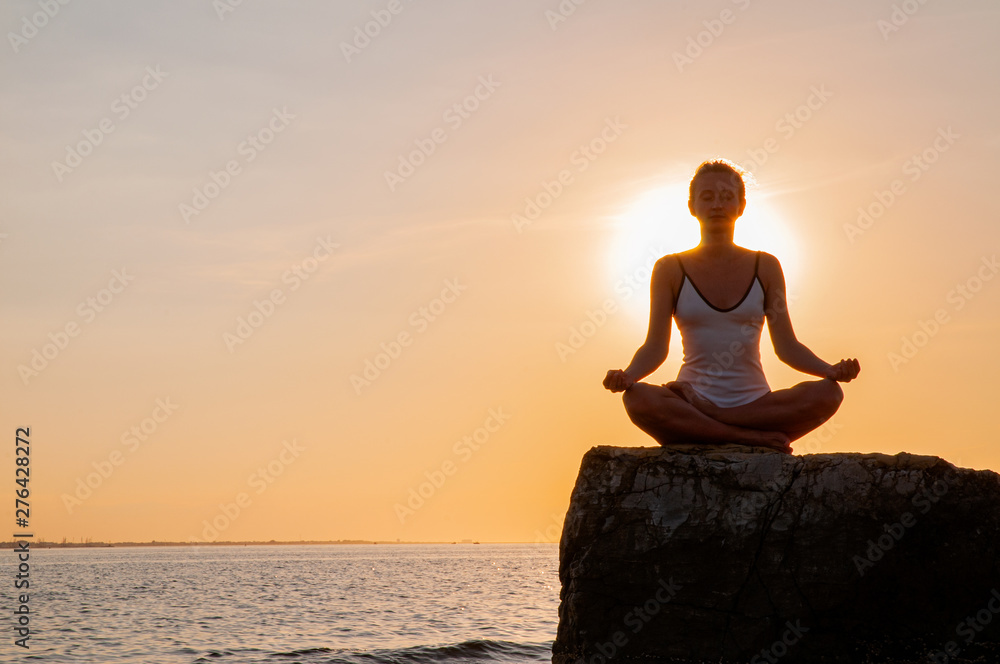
719	294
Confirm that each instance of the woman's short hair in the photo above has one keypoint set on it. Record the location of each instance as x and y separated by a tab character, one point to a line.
740	175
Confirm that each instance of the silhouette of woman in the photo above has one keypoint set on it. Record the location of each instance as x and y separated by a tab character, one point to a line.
720	293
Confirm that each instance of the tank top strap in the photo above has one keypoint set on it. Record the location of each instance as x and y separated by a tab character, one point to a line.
677	295
686	277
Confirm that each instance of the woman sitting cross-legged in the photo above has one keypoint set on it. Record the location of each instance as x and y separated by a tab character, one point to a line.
720	293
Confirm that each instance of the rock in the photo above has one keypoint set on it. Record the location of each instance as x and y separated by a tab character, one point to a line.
728	553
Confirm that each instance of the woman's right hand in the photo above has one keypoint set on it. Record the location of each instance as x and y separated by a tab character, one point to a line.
618	381
844	371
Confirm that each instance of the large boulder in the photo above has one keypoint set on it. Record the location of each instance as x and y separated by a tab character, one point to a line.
728	553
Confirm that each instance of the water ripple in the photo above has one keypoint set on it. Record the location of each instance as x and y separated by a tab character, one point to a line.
405	604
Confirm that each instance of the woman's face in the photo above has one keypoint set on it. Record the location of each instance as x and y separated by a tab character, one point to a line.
716	198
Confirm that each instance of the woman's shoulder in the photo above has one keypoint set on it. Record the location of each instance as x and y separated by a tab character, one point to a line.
669	265
668	270
769	271
768	261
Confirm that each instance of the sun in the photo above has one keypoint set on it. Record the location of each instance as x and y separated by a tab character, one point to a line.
658	222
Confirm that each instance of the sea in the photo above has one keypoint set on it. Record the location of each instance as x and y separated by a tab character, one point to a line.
288	604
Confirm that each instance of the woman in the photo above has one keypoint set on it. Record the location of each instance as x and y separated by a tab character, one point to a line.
720	394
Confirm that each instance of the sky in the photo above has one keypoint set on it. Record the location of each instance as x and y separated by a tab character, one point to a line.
321	271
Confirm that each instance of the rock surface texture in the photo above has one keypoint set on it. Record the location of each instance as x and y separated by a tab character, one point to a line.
726	553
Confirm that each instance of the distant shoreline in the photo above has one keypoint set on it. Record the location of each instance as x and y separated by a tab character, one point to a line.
112	545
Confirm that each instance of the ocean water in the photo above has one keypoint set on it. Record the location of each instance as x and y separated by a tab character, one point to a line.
368	604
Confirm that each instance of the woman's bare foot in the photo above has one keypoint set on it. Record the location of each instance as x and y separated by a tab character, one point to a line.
774	440
686	392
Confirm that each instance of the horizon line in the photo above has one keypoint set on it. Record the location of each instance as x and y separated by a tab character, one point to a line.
91	545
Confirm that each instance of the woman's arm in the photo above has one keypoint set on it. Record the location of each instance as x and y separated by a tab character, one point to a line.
651	354
789	349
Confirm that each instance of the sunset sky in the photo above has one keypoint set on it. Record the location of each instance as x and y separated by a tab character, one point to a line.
283	267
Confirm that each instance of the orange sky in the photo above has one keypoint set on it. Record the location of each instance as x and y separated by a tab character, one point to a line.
266	272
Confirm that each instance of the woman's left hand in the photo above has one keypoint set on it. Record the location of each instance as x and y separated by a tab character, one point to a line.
844	371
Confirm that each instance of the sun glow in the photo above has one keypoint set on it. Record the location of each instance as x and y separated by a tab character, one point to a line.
658	223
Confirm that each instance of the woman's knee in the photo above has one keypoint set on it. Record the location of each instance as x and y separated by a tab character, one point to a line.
636	399
831	394
640	402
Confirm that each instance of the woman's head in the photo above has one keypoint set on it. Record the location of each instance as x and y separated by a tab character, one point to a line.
718	190
738	176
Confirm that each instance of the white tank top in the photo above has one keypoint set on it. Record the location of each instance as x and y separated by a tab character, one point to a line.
722	346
